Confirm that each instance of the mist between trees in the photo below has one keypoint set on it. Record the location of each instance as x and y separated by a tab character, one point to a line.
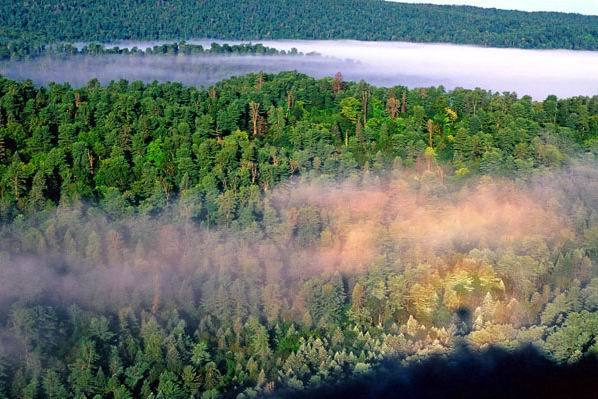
531	72
279	232
335	277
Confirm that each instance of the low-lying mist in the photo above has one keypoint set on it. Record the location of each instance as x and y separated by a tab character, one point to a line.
78	254
528	72
375	278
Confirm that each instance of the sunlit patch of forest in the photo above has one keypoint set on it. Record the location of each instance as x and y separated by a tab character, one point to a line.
276	233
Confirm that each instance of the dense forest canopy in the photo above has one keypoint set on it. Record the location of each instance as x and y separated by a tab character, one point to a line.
274	233
143	144
27	26
174	48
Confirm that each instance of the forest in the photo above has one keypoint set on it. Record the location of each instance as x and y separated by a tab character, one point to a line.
273	234
175	48
28	27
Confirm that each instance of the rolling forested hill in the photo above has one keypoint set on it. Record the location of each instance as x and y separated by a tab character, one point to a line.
281	236
140	145
25	26
276	233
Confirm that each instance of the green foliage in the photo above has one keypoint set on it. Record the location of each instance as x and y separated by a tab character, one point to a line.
152	247
28	28
135	147
575	338
53	387
21	49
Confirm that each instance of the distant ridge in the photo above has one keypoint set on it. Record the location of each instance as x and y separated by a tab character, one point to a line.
525	6
26	25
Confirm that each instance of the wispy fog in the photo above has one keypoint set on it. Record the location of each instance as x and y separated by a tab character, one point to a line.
534	72
80	256
201	70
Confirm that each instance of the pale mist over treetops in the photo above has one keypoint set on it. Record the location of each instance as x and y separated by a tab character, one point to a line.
538	73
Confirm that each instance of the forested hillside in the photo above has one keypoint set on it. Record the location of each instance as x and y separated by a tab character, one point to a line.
26	26
274	233
141	145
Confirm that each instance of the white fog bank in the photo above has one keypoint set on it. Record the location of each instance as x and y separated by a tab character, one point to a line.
534	72
528	72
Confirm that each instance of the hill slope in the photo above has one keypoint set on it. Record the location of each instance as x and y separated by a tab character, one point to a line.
30	23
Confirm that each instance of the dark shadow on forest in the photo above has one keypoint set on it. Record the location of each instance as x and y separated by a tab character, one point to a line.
466	373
